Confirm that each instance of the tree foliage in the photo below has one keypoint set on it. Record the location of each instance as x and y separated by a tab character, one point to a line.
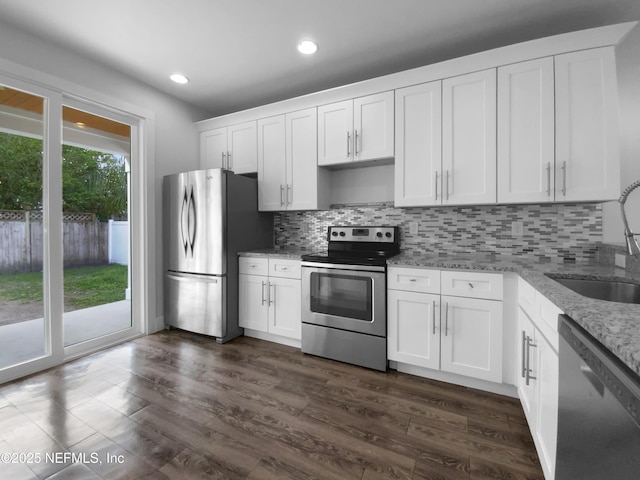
92	181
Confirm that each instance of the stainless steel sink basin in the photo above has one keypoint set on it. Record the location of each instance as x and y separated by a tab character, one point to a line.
610	290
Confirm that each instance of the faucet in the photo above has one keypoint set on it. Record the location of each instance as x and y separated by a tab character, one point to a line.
632	244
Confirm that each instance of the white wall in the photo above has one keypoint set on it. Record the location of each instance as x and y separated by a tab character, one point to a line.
174	145
628	61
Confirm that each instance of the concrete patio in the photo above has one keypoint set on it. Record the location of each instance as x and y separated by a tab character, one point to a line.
24	341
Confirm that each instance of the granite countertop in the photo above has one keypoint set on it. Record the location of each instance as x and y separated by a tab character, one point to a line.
291	253
615	325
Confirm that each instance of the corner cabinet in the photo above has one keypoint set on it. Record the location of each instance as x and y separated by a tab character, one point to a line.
558	129
587	152
288	177
356	130
232	148
269	296
446	320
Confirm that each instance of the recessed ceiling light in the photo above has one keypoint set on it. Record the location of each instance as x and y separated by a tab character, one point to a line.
179	78
307	47
80	124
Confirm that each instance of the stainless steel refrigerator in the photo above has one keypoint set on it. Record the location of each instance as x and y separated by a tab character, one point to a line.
210	216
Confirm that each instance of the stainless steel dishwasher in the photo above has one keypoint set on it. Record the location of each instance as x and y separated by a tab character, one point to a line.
598	410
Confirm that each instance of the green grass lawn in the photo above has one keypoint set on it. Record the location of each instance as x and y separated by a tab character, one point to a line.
83	286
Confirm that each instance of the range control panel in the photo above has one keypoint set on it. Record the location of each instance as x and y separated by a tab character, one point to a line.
363	234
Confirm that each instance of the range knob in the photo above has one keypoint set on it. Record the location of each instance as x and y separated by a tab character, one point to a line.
388	234
334	234
379	234
342	234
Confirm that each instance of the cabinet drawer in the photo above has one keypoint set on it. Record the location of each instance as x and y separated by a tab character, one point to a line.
253	265
472	284
413	279
282	267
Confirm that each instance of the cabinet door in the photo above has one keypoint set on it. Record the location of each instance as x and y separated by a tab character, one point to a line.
373	127
546	427
526	117
469	138
587	153
272	176
413	334
213	145
472	337
285	307
242	146
253	309
527	356
418	159
301	160
335	133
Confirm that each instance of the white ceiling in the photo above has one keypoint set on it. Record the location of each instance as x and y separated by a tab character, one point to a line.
242	53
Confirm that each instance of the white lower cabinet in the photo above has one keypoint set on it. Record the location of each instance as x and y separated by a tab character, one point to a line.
538	379
459	335
269	296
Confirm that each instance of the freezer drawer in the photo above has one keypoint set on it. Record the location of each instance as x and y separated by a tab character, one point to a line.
196	303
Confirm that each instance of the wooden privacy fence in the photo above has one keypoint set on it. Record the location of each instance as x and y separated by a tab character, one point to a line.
21	240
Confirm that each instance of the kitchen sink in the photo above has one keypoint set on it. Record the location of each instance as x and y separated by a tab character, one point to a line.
612	290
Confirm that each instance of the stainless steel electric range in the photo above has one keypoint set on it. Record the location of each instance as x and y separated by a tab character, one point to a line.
344	296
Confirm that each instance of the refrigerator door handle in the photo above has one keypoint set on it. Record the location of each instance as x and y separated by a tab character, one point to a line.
184	222
192	221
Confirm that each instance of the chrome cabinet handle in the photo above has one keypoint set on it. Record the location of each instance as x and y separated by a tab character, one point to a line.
281	195
263	285
289	189
348	144
355	143
470	285
564	178
229	167
436	185
271	285
548	179
224	161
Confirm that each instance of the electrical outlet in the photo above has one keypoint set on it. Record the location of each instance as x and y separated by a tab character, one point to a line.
517	229
413	228
620	260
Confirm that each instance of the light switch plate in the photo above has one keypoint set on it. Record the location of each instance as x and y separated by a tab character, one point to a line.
517	229
413	228
621	260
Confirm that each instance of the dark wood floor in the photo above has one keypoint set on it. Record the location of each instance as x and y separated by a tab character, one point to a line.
176	405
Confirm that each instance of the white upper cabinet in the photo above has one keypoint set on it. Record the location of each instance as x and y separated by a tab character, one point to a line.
232	148
213	148
469	138
356	130
418	145
272	173
526	119
587	154
288	177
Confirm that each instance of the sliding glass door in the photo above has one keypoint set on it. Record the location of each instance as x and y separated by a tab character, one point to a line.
66	262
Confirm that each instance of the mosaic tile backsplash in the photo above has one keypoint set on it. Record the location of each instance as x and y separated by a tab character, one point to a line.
558	232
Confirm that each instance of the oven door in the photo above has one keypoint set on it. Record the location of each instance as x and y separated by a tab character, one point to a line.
345	297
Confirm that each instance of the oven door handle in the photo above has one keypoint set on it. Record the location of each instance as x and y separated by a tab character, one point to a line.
336	266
